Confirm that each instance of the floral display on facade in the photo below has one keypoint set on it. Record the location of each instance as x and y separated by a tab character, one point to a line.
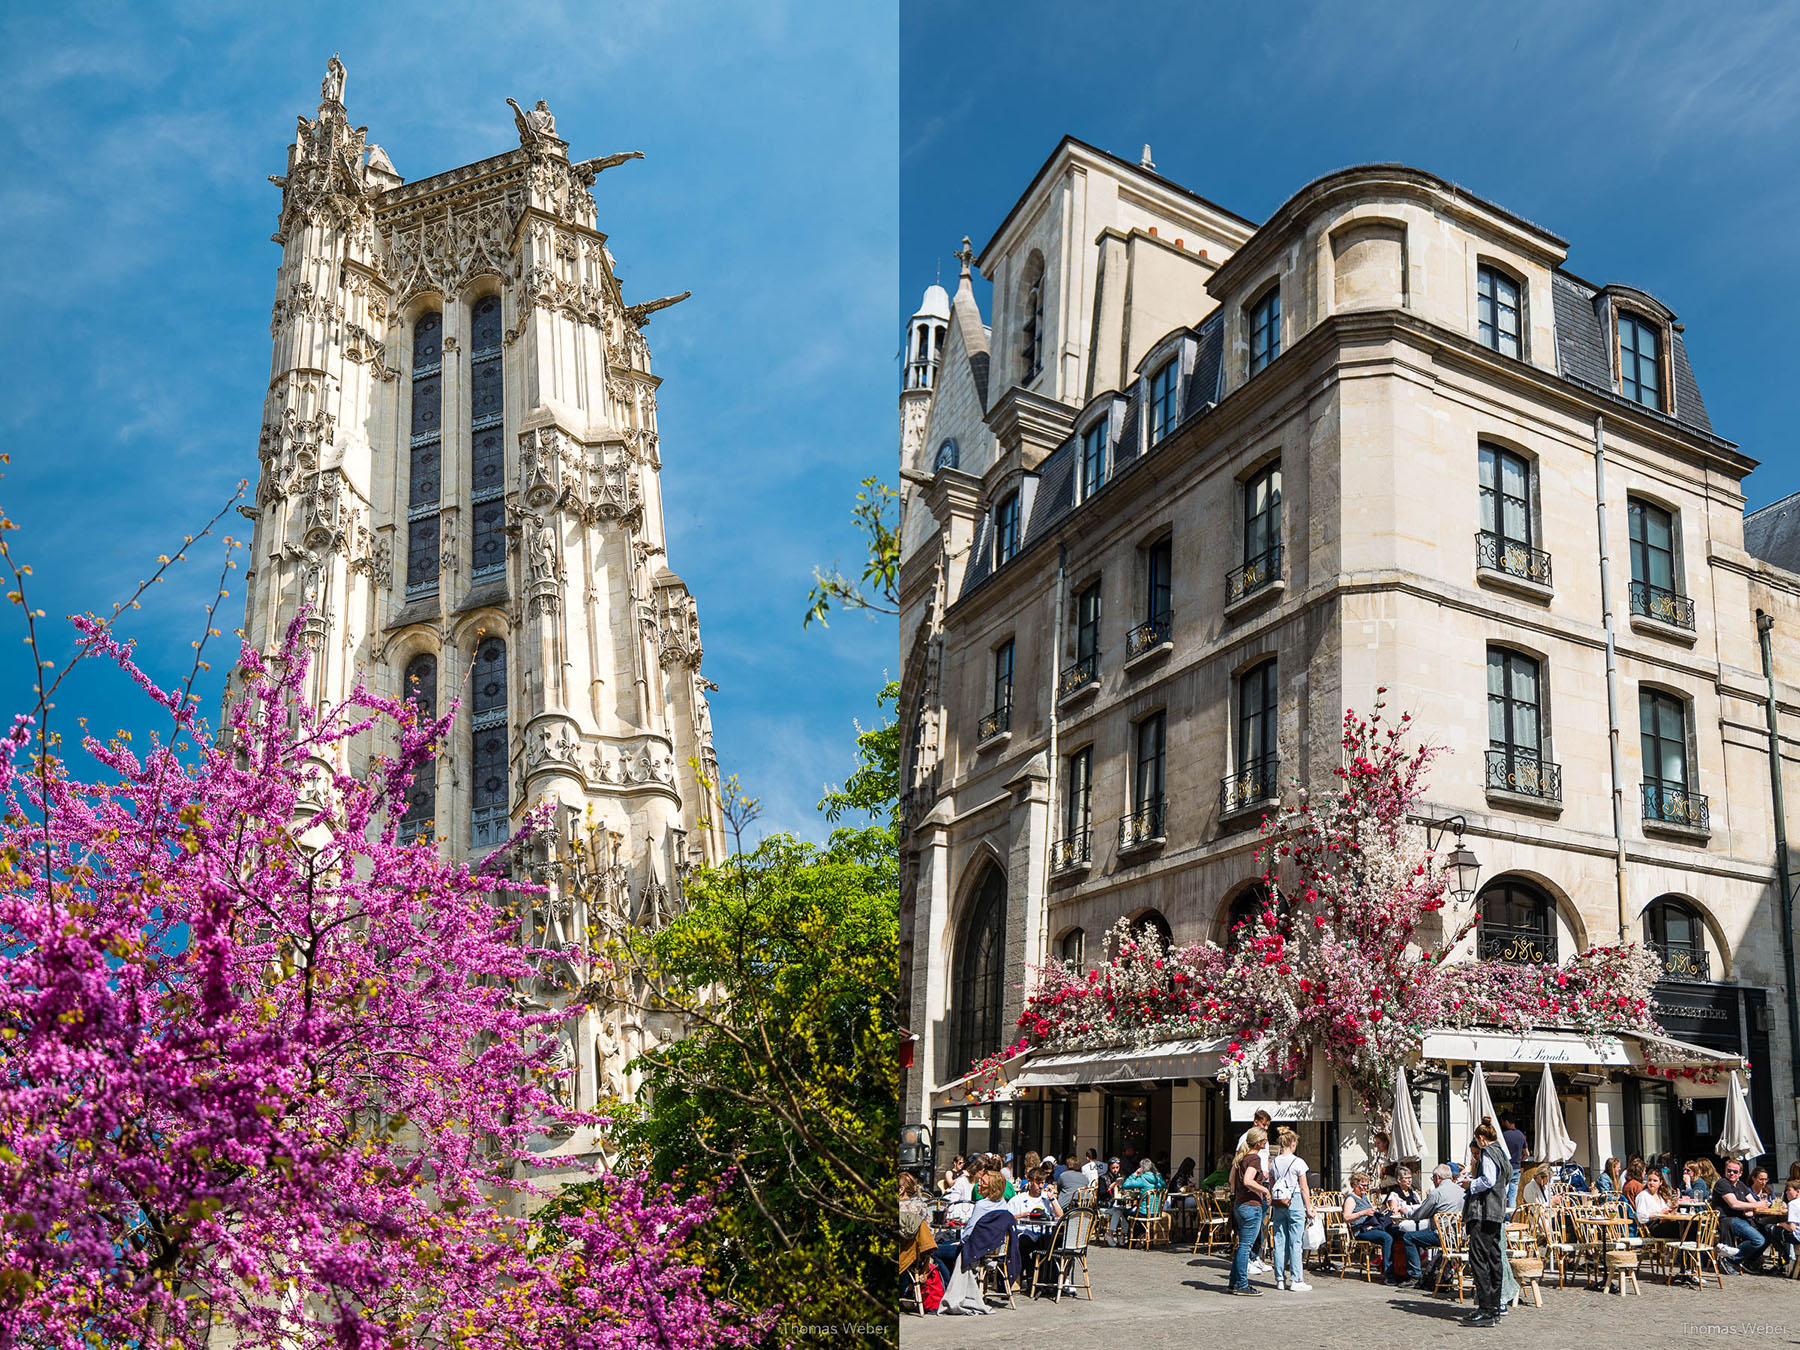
1354	951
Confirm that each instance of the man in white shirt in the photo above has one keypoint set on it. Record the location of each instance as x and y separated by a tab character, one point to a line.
1091	1169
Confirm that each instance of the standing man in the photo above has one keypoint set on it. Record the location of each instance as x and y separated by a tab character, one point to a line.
1484	1215
1514	1139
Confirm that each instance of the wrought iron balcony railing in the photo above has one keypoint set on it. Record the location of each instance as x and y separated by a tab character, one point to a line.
1261	782
1668	805
1149	636
1500	554
1075	851
1257	573
995	723
1685	963
1144	825
1520	946
1653	602
1527	775
1081	674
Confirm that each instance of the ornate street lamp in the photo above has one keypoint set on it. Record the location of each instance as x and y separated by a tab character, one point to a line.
1462	866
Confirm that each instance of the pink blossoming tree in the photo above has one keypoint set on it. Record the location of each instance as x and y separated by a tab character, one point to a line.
261	1065
1349	953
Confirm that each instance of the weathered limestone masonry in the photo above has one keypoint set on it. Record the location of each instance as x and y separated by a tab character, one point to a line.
460	483
1353	446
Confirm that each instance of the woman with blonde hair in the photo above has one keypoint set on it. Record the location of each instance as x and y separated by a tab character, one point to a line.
1249	1193
1290	1205
1612	1177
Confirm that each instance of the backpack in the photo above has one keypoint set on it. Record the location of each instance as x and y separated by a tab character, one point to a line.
1283	1188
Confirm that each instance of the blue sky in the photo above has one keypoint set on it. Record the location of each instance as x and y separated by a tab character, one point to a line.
136	141
1659	139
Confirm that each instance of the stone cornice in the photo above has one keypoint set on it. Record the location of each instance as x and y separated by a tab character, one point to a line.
1030	424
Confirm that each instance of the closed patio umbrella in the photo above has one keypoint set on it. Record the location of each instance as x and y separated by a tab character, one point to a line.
1739	1138
1553	1144
1408	1138
1480	1104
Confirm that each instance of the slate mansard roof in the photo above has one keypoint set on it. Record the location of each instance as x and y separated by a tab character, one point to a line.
1583	352
1773	533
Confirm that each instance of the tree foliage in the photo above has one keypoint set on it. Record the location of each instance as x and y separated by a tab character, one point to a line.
876	589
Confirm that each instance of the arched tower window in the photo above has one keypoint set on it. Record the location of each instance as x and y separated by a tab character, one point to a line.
1518	924
1031	327
425	475
487	404
1675	929
980	988
487	706
421	797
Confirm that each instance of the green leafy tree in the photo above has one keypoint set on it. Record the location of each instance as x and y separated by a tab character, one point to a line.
876	590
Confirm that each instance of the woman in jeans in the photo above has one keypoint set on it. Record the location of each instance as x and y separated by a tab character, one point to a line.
1248	1196
1366	1223
1288	1182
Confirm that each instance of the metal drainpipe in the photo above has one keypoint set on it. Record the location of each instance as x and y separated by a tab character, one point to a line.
1765	625
1612	674
1056	628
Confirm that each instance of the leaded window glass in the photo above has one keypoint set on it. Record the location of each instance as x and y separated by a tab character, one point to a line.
425	456
421	797
1497	310
979	990
487	708
487	403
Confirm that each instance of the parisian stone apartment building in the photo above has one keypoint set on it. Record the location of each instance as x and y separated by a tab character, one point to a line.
459	487
1195	486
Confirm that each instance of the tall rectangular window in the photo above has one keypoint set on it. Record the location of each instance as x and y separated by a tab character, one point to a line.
1003	675
1160	572
1093	458
487	404
1497	310
1515	760
1265	329
1262	514
1640	361
1506	496
1006	529
1078	793
1162	399
489	791
425	456
1257	718
1652	546
1087	624
1662	726
1147	786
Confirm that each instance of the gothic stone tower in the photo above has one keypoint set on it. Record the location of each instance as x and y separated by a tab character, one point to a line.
460	483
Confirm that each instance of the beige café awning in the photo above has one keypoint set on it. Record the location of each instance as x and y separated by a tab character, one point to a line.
1125	1064
1626	1050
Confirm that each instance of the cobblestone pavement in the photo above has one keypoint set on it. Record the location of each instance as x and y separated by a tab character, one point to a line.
1147	1300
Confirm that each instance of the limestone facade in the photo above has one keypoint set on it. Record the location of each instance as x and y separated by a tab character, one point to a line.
1166	595
460	483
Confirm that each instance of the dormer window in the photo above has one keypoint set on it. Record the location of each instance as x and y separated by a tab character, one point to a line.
1640	360
948	456
1265	329
1006	529
1093	457
1497	311
1162	399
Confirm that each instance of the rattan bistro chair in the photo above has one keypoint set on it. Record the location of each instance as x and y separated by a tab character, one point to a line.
995	1273
1066	1255
1696	1254
1214	1225
1453	1258
1149	1221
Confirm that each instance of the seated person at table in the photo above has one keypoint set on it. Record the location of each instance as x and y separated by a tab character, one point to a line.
1445	1197
1688	1190
1707	1177
1789	1227
1365	1222
1036	1198
1634	1179
1611	1178
951	1173
1731	1197
916	1239
1759	1187
912	1196
1220	1174
960	1189
1183	1180
1128	1199
991	1200
1536	1190
1399	1198
1653	1211
1070	1184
